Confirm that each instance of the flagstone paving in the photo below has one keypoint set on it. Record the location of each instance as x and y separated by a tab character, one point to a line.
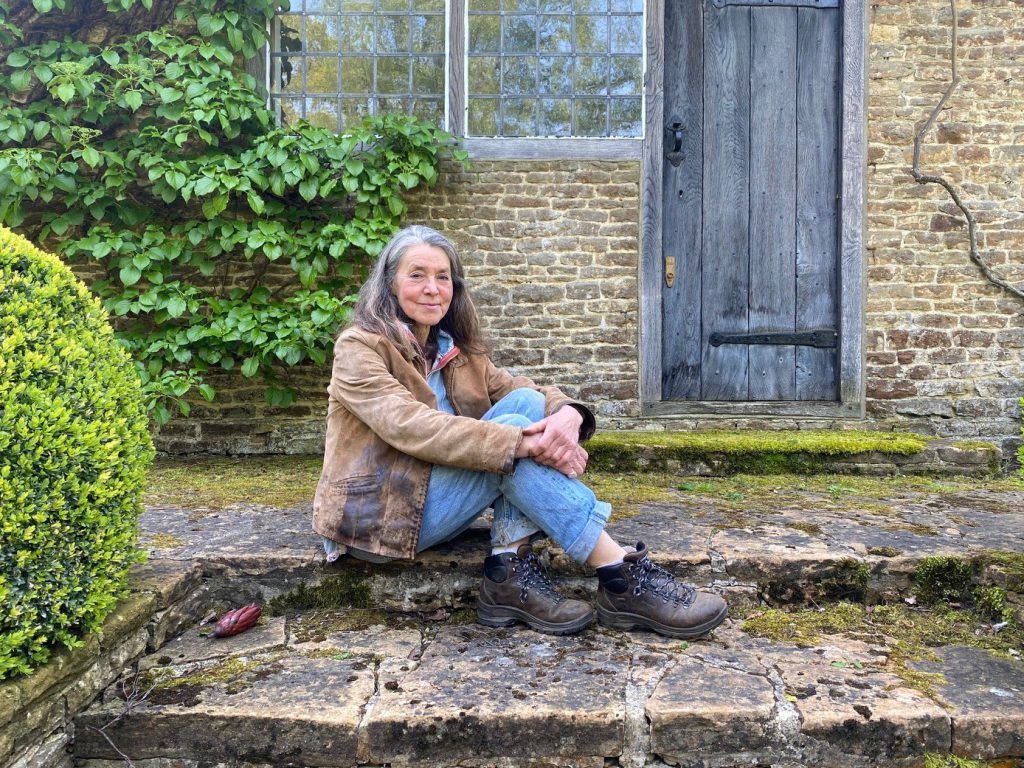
405	678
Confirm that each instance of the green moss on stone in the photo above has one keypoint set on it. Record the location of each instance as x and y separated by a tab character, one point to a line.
342	590
754	451
933	760
885	551
945	579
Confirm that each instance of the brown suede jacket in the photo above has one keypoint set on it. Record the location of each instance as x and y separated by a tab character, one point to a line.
384	433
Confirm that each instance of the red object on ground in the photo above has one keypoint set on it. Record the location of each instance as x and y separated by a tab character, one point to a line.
237	620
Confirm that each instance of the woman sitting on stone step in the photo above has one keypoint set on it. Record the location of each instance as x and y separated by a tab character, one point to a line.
424	433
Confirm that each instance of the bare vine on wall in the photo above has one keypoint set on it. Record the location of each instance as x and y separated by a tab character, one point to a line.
923	178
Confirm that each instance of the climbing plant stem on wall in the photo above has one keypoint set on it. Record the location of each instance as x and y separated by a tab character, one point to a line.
922	178
133	141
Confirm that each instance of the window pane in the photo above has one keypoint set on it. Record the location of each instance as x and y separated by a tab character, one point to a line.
357	34
322	33
626	32
626	117
429	5
393	6
289	33
591	75
483	117
484	74
549	6
323	113
322	75
429	109
288	77
591	117
555	117
392	75
357	75
428	76
291	110
392	34
427	34
520	117
519	75
329	6
555	34
520	34
392	106
556	75
627	6
625	75
354	111
590	6
591	34
519	6
484	5
484	34
356	6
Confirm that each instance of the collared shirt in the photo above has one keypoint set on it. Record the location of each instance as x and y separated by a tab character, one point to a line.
445	347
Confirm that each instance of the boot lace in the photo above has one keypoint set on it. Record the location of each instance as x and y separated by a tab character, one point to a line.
660	582
533	575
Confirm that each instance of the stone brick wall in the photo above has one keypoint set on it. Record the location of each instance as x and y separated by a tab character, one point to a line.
945	347
551	250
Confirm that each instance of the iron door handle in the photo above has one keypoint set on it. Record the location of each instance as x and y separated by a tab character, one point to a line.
675	129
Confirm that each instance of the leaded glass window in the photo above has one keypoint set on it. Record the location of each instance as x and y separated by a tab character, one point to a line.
527	68
336	61
555	67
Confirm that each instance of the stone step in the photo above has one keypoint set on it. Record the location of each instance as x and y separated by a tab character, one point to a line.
793	549
323	689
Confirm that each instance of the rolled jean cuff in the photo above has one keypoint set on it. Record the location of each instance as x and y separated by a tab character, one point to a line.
502	536
580	549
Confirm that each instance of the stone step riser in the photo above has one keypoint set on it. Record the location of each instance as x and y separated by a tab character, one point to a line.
438	585
515	699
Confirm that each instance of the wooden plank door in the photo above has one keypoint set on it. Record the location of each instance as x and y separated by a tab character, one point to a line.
750	199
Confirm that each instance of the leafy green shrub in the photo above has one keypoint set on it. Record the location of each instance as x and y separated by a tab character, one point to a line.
133	140
74	449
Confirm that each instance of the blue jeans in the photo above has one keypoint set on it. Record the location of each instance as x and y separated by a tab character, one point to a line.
533	498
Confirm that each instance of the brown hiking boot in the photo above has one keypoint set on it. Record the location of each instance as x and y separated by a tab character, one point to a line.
638	593
515	588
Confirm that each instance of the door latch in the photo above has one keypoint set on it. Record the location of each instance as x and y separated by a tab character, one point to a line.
675	130
670	271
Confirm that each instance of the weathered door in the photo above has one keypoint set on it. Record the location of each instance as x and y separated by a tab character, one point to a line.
752	102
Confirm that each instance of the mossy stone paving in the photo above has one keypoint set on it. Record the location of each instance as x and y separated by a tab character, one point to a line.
349	687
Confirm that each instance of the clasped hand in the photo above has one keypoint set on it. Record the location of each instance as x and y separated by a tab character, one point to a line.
555	442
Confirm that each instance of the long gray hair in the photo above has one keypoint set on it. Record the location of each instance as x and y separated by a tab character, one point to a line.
378	311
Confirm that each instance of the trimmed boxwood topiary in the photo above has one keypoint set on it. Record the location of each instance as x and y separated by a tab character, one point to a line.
74	450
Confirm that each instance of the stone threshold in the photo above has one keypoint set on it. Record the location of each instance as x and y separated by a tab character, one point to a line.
717	453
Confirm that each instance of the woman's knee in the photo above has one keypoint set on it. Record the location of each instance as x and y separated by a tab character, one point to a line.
515	419
526	401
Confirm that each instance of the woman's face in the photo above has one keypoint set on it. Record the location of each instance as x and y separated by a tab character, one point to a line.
423	286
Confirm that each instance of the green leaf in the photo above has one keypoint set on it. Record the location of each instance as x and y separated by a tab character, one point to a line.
133	99
308	189
176	306
40	130
43	72
250	367
255	202
168	95
207	392
43	6
91	157
111	57
17	59
66	92
215	205
130	275
20	80
205	185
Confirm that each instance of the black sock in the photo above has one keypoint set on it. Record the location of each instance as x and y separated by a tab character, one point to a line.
610	577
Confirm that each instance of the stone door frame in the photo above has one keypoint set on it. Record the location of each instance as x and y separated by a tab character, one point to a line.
852	202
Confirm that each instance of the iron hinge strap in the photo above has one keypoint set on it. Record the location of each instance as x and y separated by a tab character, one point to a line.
822	338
